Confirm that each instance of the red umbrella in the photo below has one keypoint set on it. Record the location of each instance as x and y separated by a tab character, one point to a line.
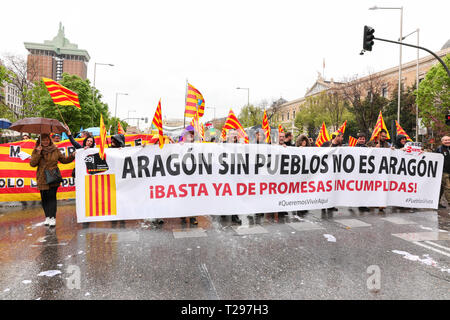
38	125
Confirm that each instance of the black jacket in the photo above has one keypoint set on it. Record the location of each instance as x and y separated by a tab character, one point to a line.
77	145
398	144
446	152
120	140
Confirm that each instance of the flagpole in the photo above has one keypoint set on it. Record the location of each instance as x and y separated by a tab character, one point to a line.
185	102
61	116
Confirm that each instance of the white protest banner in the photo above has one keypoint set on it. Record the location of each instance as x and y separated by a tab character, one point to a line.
222	179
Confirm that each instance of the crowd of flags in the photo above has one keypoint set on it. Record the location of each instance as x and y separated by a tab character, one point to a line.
195	109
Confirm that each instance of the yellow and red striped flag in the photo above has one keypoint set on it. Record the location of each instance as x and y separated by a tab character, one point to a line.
100	195
401	131
232	122
323	135
194	102
119	128
202	132
378	126
352	141
157	122
280	128
60	94
342	128
197	126
266	127
102	138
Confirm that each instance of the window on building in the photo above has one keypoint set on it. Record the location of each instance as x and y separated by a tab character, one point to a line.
282	117
293	114
384	92
288	115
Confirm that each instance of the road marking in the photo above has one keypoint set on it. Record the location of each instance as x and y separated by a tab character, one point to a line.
353	223
243	230
192	233
305	226
422	236
438	245
397	220
431	248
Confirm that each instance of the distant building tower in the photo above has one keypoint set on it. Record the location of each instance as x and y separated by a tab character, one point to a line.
51	58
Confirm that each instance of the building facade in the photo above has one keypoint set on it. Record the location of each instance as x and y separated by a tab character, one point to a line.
53	57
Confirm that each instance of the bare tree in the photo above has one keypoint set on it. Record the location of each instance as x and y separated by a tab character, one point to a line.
275	107
365	100
22	71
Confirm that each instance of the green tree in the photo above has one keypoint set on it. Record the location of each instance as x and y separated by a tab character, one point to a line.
91	105
250	116
312	114
433	98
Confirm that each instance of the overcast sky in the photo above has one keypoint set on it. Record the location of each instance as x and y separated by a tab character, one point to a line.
275	48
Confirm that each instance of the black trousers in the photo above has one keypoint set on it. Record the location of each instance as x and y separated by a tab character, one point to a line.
48	198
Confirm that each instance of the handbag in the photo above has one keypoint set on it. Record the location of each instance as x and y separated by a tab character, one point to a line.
53	176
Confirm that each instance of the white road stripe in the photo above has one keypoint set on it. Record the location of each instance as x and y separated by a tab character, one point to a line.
438	245
431	248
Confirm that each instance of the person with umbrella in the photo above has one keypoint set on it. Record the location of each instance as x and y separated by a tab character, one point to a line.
45	157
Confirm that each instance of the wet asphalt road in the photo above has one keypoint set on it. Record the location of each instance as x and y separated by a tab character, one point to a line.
277	256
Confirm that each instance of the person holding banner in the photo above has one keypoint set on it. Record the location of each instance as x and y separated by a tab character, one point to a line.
445	186
400	141
302	141
118	141
45	157
382	140
361	140
336	140
288	139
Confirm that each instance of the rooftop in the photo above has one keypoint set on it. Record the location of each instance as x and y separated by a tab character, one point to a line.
59	44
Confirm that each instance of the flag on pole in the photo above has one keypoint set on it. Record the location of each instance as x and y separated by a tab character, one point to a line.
323	135
342	128
352	141
401	131
378	126
266	127
194	102
280	128
119	128
197	126
232	122
202	131
102	138
157	122
60	94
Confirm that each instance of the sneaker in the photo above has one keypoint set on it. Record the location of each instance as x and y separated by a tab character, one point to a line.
442	206
47	221
52	222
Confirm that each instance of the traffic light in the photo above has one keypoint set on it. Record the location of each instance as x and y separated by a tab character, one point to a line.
368	38
447	120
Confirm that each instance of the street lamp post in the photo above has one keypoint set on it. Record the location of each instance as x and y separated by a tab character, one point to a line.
128	117
400	58
248	94
93	87
117	93
417	80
